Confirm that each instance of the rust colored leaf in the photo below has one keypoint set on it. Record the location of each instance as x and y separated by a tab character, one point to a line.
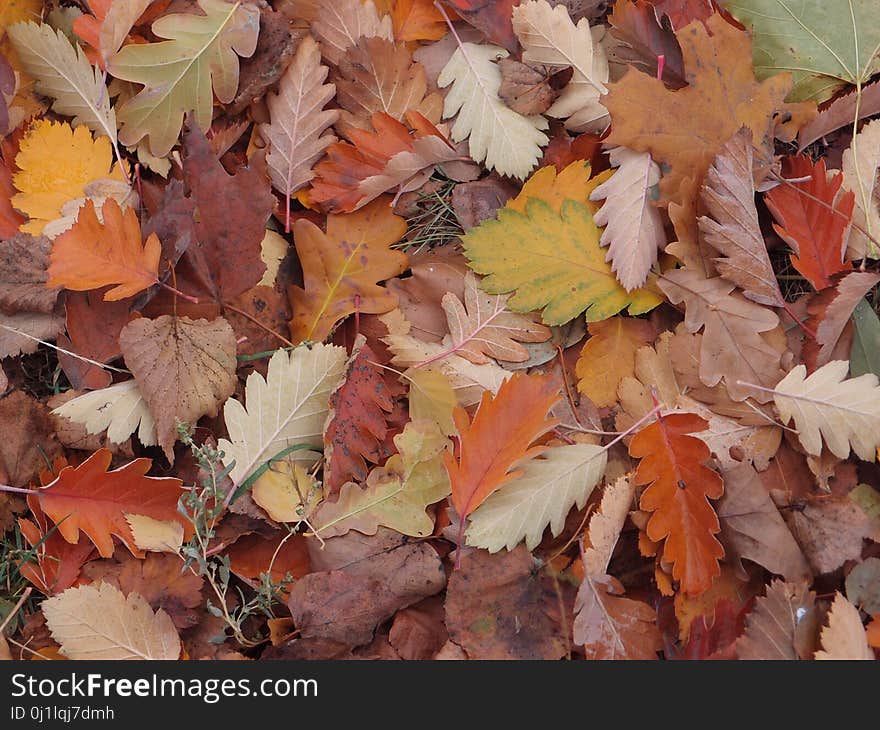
679	489
356	426
492	17
94	500
524	89
781	623
341	268
10	218
816	231
93	254
252	555
27	438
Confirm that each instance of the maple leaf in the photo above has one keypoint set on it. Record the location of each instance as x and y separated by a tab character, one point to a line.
860	163
63	72
720	98
498	439
395	495
286	408
340	24
298	122
497	136
633	225
732	347
353	175
609	356
679	489
184	369
356	423
806	221
179	73
550	38
55	163
541	495
826	405
24	260
102	623
341	268
417	20
780	624
844	637
94	500
92	255
552	261
482	328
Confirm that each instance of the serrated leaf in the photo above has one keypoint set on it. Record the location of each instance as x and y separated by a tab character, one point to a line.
844	637
100	622
285	409
178	74
777	623
550	38
497	136
826	405
541	496
605	526
119	409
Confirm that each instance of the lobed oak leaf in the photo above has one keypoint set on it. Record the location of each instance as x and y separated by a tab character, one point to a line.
860	164
609	356
356	426
90	499
497	136
341	268
845	412
498	439
339	25
92	255
101	623
813	219
184	369
844	637
355	174
679	489
550	38
179	73
633	225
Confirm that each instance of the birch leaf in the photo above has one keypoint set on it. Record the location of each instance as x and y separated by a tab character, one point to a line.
633	225
550	38
497	136
100	622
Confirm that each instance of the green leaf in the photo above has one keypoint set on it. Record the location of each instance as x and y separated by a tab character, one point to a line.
178	73
825	45
864	356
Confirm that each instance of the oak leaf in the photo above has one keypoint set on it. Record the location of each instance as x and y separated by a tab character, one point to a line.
826	405
609	356
806	221
679	489
844	637
341	268
286	408
498	439
356	425
179	73
184	369
721	97
633	225
92	255
94	500
782	623
497	136
340	24
101	623
550	38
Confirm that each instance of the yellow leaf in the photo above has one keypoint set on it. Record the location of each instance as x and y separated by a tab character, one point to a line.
431	398
17	11
286	491
161	536
56	163
573	183
609	356
552	261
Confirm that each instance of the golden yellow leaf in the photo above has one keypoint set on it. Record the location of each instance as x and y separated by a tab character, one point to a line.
573	183
18	11
286	491
56	163
609	356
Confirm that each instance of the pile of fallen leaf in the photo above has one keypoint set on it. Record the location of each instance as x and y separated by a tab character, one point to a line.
469	329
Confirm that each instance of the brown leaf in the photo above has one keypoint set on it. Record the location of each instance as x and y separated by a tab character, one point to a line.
844	637
185	369
339	25
24	261
474	202
782	624
524	89
21	333
418	632
27	439
362	582
840	113
500	606
643	39
267	306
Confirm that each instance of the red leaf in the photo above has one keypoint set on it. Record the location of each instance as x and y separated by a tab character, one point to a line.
680	487
812	228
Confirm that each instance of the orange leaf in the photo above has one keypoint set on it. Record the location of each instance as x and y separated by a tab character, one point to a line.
341	268
91	254
873	631
10	219
816	231
499	438
417	20
678	494
253	554
91	499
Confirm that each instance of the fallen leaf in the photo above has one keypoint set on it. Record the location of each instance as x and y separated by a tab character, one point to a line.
418	632
781	625
338	27
27	438
844	637
609	356
860	163
23	332
161	536
637	25
524	89
417	20
863	585
281	557
24	260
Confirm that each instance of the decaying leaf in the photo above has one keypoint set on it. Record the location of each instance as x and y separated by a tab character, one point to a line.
844	636
781	625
